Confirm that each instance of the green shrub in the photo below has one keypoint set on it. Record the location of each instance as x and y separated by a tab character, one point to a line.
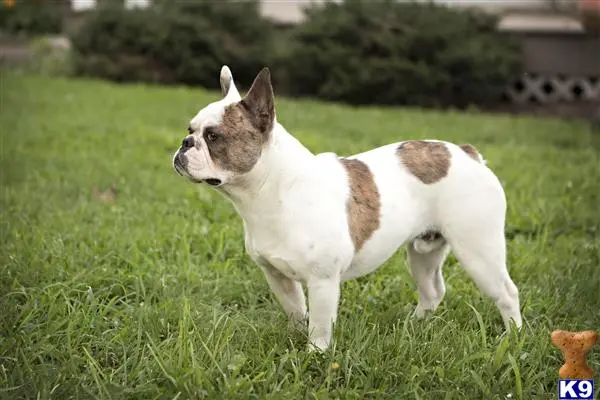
385	52
31	17
184	42
48	58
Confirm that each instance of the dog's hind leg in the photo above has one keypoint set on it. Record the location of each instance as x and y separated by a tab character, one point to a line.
426	269
482	253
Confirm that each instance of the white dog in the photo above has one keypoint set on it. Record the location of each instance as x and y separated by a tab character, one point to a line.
324	219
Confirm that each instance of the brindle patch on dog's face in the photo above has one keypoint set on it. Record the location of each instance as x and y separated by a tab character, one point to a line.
364	204
471	151
428	161
236	143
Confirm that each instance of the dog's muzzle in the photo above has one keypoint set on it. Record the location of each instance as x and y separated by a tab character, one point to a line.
179	163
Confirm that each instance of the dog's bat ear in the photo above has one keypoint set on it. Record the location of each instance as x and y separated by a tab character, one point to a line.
227	86
260	101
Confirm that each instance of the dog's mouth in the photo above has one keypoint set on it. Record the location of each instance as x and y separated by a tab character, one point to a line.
212	181
180	164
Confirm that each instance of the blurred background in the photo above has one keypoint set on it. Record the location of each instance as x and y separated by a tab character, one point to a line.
518	56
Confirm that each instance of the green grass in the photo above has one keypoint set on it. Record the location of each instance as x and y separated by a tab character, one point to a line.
153	296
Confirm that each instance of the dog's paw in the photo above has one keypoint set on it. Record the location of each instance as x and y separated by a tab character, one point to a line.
311	348
297	324
422	312
317	346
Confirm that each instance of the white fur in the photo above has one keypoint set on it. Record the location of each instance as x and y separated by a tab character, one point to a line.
293	206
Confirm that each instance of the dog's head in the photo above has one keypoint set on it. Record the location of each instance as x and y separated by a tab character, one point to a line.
226	138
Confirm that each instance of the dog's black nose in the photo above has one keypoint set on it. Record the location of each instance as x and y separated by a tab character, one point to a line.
188	142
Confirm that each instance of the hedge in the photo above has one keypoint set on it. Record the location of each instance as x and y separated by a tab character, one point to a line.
385	52
357	52
173	42
31	17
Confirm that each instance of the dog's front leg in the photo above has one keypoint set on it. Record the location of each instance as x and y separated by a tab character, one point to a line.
289	293
323	297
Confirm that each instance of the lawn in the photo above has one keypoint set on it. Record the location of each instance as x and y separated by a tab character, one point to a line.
152	296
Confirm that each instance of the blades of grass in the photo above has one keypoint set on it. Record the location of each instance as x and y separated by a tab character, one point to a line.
214	360
500	353
482	331
96	374
25	362
183	333
159	361
10	389
481	355
140	287
517	372
479	382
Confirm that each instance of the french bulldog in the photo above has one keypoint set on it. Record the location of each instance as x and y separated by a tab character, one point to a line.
321	219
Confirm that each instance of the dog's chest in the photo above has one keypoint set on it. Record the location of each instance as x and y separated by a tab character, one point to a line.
268	249
274	256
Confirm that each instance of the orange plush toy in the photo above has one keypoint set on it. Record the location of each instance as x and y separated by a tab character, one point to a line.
575	346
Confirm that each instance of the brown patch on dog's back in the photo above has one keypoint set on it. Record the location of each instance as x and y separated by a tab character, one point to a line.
428	161
471	151
364	204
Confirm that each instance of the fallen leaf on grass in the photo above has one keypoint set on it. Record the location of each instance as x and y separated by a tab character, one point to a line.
107	196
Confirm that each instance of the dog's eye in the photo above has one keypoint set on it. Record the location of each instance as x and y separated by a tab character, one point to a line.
211	135
190	130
